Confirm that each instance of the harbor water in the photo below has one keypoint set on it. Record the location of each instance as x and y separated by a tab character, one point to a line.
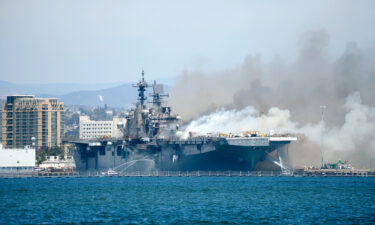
188	200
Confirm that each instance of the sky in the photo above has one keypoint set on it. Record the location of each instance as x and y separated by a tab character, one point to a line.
90	41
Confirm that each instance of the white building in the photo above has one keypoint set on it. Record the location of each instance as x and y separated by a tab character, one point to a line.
91	129
20	159
58	163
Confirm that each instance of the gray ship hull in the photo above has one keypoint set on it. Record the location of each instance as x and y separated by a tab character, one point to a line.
233	158
241	154
193	155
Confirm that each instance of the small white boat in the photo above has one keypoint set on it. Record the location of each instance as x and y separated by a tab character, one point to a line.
110	172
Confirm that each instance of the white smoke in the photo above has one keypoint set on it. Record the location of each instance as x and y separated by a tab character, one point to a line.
359	125
346	141
358	128
238	121
101	99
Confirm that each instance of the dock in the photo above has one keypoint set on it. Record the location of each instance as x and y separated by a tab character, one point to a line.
296	173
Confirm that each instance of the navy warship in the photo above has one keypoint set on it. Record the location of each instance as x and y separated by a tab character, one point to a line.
152	136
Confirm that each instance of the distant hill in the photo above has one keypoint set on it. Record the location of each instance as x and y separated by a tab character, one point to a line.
120	96
117	96
8	88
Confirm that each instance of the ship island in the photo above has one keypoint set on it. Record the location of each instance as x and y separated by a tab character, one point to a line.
152	140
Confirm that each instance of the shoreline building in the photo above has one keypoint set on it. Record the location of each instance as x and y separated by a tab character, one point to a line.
57	163
92	129
25	117
17	159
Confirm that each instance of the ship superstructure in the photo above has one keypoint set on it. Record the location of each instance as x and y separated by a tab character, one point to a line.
145	123
152	141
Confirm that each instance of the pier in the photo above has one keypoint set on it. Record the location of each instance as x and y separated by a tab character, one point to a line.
296	173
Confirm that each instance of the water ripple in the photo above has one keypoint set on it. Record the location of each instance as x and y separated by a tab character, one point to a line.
188	200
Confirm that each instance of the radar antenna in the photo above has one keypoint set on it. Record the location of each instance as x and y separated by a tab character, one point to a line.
158	94
142	85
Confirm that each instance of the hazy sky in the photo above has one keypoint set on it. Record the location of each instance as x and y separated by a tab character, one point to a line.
112	41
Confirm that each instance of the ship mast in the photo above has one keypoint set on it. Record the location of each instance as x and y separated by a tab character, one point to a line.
158	95
142	85
137	120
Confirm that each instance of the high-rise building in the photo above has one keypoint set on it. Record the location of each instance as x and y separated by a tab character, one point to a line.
25	117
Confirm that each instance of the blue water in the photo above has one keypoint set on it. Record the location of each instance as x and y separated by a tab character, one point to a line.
188	200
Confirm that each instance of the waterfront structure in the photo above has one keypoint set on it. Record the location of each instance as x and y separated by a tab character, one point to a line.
58	163
25	117
18	159
92	129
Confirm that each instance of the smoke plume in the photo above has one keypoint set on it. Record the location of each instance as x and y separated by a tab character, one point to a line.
285	97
